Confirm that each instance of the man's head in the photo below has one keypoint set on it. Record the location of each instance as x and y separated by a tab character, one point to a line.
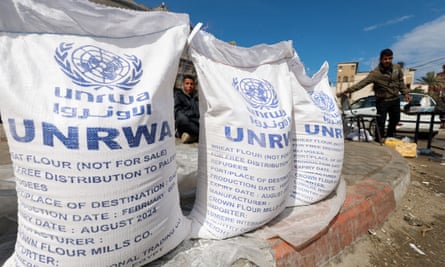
386	57
188	84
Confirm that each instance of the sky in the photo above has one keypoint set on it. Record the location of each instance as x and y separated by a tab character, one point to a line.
332	31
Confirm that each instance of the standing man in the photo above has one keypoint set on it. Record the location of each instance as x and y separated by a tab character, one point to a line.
388	84
187	111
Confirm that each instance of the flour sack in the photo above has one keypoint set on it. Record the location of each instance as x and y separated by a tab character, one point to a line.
245	147
86	102
318	141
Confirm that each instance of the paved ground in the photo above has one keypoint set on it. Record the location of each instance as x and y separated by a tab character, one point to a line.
417	222
376	176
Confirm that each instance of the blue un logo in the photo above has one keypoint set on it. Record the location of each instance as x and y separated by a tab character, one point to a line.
91	66
323	101
327	105
258	93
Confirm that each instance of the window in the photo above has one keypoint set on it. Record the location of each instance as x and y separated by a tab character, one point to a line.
366	102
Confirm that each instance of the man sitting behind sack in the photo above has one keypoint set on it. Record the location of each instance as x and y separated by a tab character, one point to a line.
187	111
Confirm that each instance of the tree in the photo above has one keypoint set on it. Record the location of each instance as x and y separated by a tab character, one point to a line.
431	80
418	89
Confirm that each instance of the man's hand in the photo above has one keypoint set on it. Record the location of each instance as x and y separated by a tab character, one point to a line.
341	93
407	97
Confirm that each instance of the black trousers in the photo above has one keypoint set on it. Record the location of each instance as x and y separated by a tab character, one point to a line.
186	124
389	109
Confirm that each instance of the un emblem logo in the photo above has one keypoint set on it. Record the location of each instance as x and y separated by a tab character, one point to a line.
326	104
323	101
258	93
91	66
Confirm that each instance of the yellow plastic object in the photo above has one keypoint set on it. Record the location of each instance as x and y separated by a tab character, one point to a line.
408	150
392	142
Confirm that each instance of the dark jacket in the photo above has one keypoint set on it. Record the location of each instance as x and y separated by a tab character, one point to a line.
186	105
388	83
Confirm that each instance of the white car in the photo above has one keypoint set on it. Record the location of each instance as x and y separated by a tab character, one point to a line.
366	105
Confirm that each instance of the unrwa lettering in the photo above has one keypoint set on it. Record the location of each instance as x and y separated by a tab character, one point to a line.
94	136
323	130
89	97
258	138
275	114
85	113
271	124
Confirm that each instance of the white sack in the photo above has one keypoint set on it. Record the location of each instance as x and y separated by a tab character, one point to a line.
87	105
244	145
318	136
